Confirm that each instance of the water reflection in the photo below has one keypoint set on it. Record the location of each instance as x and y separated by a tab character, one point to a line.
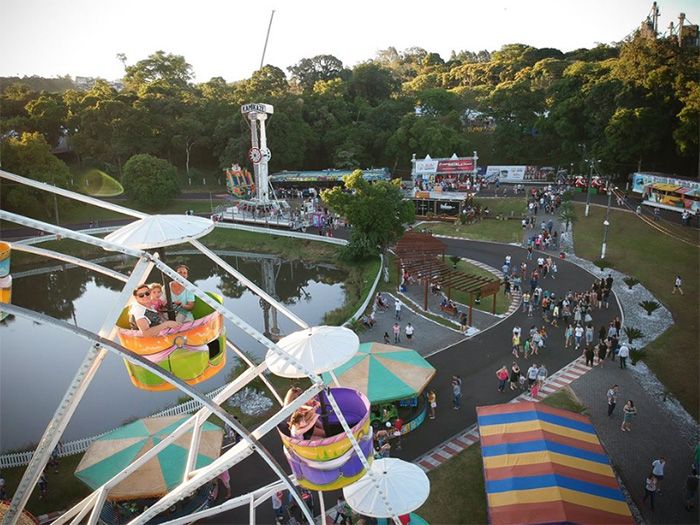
37	362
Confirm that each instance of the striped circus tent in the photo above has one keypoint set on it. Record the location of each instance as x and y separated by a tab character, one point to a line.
546	465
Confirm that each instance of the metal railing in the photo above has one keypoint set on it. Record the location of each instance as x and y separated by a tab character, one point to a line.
78	446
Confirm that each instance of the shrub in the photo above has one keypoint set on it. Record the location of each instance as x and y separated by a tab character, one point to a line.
454	259
630	281
636	355
650	306
633	333
602	264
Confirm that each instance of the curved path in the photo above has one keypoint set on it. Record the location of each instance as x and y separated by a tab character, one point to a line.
475	360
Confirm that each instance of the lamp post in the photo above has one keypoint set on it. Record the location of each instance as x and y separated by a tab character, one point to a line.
588	186
606	223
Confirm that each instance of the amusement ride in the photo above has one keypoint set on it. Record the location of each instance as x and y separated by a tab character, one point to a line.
180	357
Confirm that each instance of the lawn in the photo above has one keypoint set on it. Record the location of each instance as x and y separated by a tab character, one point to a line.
457	493
485	230
64	489
504	206
638	250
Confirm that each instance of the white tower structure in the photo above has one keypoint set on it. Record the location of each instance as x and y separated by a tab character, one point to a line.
259	154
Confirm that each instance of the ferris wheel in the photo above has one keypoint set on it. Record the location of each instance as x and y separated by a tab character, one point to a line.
324	430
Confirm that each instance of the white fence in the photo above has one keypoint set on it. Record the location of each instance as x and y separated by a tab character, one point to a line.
19	459
281	233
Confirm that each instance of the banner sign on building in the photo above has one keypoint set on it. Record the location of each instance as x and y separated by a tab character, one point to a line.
455	166
640	180
426	167
506	173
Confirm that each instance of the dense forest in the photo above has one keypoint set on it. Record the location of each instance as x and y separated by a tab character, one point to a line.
631	105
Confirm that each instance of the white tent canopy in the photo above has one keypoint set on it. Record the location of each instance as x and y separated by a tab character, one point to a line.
319	348
405	486
157	231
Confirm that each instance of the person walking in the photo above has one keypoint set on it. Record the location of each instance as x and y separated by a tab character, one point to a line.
623	353
589	355
43	485
516	343
456	392
568	336
677	285
397	309
387	339
628	414
397	332
532	374
612	398
657	469
432	403
650	490
578	334
514	376
502	376
409	331
278	506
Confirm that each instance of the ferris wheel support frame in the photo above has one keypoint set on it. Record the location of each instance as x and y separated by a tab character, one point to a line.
317	382
77	388
247	446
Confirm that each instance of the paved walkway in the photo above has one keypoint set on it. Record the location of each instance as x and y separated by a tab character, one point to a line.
654	433
428	336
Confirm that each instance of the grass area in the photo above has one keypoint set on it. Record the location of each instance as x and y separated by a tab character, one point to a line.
486	230
565	399
642	252
504	206
502	301
457	493
64	489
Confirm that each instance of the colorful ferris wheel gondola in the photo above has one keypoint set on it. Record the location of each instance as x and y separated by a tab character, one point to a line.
194	352
5	277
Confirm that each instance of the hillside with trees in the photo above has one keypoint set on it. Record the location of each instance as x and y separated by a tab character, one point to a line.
633	105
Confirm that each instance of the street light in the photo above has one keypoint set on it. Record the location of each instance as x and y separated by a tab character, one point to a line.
606	223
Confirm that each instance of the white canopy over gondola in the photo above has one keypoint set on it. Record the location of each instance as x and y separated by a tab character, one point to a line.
157	231
319	348
405	486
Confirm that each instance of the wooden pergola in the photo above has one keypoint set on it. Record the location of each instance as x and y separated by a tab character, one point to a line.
422	255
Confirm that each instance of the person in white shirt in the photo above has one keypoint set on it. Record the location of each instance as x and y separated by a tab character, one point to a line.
397	309
623	354
578	334
143	317
409	331
532	374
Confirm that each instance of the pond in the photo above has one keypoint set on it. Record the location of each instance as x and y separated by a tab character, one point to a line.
37	362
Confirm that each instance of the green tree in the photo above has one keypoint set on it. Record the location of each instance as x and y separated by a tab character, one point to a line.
161	71
150	181
30	156
567	214
308	71
376	211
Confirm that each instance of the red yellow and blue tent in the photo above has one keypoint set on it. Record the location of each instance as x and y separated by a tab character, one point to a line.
546	465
